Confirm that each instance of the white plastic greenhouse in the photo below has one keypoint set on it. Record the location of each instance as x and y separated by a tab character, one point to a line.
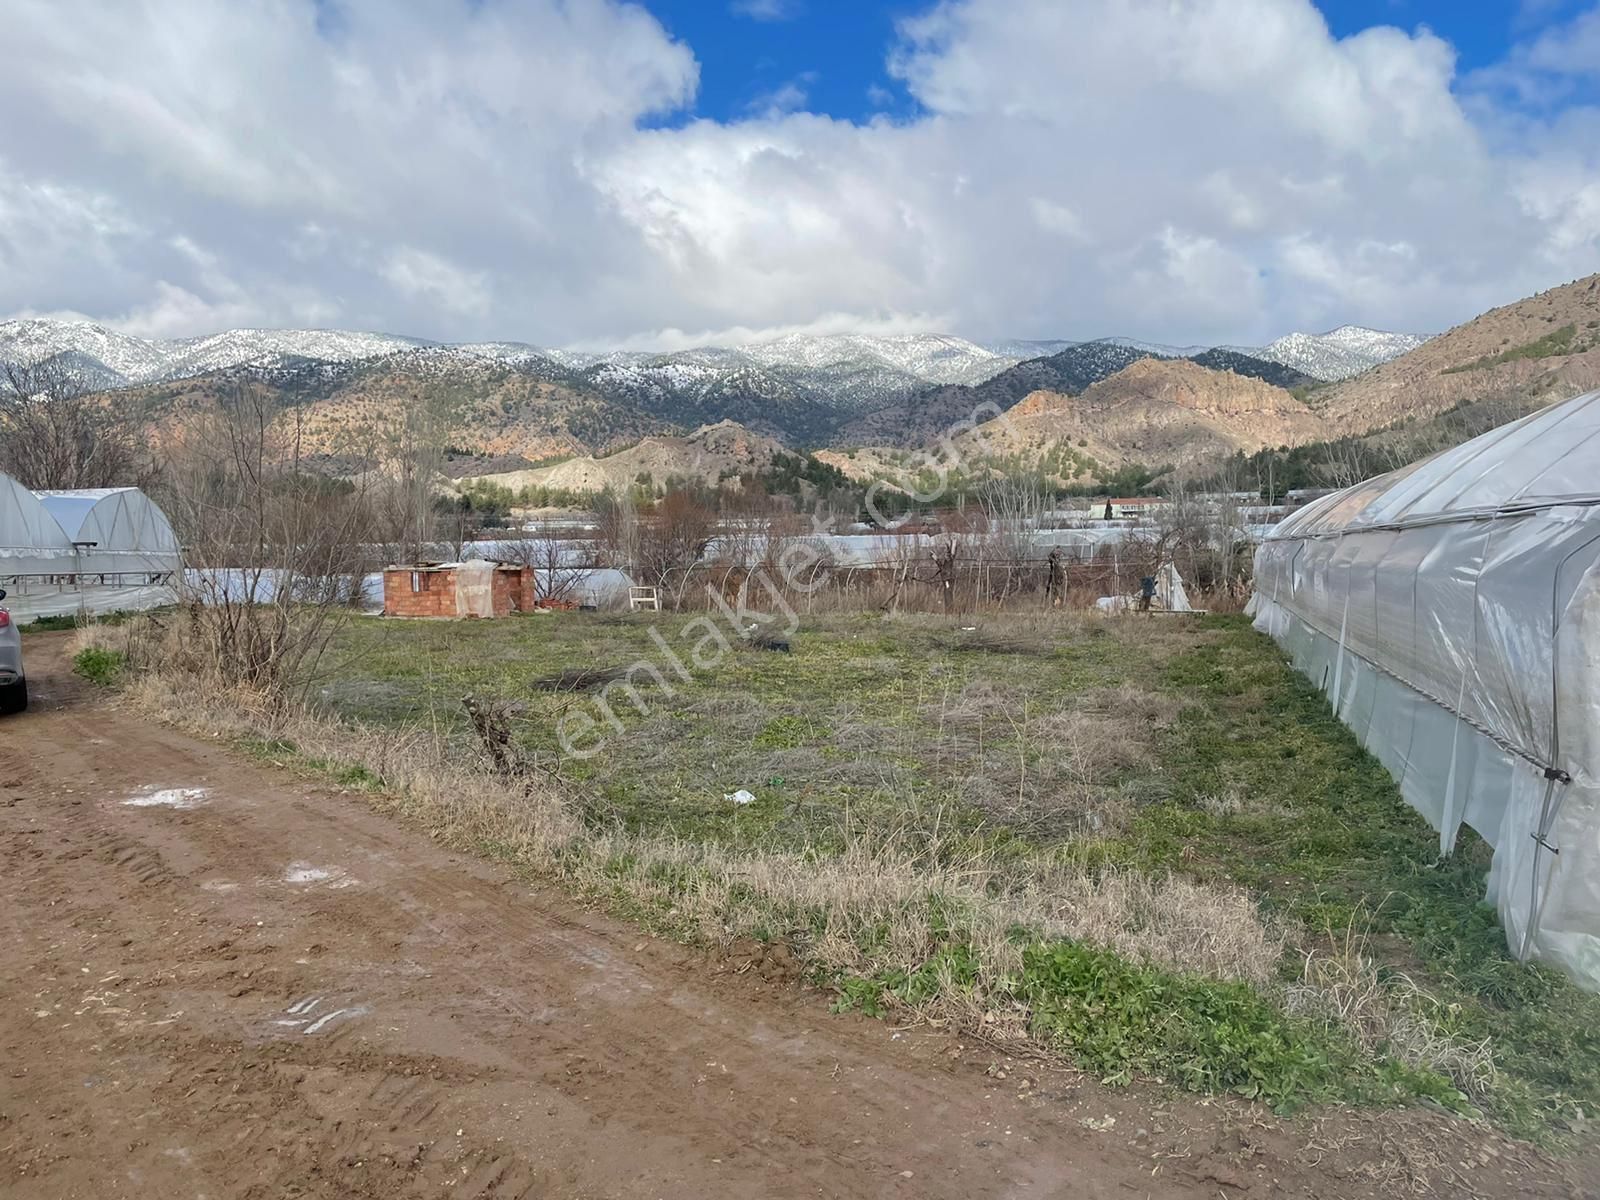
117	530
99	550
1451	612
32	542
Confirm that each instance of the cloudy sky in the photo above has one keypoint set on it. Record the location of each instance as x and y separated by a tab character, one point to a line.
587	172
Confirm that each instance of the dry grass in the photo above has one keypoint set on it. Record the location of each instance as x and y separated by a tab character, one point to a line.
1049	773
1342	985
579	679
884	903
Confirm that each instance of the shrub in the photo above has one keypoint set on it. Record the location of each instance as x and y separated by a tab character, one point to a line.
98	665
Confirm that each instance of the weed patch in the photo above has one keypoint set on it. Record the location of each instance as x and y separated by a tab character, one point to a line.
98	665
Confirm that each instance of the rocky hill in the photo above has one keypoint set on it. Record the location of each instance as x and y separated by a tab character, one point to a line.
925	416
1517	357
483	407
918	419
1154	412
709	455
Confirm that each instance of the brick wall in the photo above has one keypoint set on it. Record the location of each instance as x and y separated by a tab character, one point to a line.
503	585
436	599
512	589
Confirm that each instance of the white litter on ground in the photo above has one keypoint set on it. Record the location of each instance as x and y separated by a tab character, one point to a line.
740	797
168	798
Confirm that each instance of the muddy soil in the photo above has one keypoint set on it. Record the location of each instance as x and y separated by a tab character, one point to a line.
220	979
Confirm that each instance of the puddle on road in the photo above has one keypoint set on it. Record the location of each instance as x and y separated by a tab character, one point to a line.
154	797
304	873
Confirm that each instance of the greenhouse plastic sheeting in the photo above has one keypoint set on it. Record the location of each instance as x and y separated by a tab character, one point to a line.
31	541
118	530
1451	612
30	600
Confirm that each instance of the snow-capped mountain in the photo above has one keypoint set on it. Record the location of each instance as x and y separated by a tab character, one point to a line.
932	358
1022	349
843	371
853	370
798	387
118	359
33	339
1155	349
240	347
1339	353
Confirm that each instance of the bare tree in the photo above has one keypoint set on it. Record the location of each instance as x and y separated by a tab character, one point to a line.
617	529
405	493
278	550
55	433
558	567
944	556
1014	504
673	539
1348	461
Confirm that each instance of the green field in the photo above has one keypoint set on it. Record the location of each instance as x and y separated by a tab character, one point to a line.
1085	772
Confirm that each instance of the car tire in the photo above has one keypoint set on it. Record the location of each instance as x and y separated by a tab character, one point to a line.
14	697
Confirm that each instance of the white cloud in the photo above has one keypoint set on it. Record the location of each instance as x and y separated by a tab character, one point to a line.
1058	218
420	274
1544	70
767	10
789	96
1215	169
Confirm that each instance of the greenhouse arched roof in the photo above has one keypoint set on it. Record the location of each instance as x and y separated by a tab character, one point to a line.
32	541
116	529
1451	612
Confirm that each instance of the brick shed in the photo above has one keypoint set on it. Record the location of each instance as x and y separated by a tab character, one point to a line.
469	589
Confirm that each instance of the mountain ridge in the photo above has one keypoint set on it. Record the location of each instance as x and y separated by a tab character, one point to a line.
801	390
1340	353
929	357
1518	356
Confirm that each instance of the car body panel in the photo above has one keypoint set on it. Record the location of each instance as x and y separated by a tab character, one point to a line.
10	652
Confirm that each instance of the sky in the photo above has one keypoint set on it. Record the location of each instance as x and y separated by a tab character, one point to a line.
662	174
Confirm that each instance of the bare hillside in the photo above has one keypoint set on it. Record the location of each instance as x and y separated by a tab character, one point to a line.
1156	411
1520	356
707	455
486	408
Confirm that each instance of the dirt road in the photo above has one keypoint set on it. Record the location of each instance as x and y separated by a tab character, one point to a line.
221	980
